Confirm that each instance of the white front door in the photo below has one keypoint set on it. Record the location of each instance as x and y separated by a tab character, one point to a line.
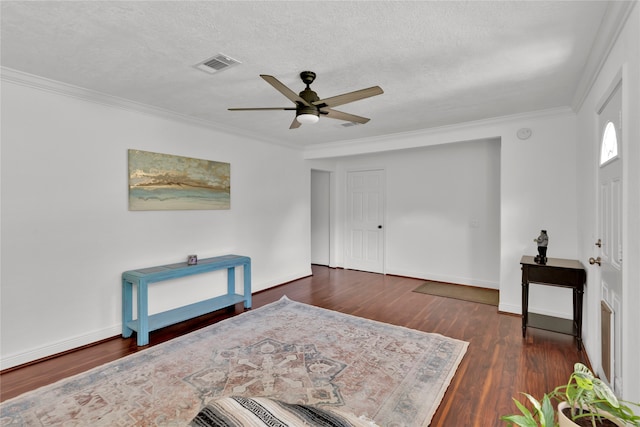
365	220
610	227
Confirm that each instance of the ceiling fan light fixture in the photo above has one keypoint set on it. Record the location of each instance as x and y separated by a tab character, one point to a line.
307	119
309	106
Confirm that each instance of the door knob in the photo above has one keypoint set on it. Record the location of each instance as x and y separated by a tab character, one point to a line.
593	260
599	243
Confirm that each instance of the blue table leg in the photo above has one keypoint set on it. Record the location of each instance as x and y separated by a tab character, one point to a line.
143	313
127	308
231	280
247	284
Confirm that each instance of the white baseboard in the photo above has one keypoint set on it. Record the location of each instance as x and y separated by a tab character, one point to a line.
516	309
446	278
17	359
283	280
508	308
21	358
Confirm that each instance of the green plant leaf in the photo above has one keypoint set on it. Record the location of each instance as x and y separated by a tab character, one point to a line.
525	411
534	402
520	420
603	391
543	414
584	382
524	420
547	412
580	368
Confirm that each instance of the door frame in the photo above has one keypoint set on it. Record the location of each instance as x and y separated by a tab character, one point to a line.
619	351
328	213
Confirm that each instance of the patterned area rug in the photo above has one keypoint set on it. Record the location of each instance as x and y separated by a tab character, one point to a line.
293	352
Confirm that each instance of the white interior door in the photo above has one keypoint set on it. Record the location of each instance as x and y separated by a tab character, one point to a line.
610	226
365	221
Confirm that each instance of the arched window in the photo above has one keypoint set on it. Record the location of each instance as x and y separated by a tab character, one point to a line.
609	149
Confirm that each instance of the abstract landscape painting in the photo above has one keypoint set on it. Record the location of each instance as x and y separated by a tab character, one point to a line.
167	182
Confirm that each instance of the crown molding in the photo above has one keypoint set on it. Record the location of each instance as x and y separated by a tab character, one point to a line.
41	83
613	23
311	152
392	142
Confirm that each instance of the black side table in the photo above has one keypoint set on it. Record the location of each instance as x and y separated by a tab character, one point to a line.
565	273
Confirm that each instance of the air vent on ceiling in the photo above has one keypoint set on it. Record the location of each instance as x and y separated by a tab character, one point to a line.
218	63
349	124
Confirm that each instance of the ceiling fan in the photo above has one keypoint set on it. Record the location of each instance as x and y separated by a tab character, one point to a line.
309	106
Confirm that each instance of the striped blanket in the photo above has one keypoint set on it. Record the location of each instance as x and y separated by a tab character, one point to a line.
237	411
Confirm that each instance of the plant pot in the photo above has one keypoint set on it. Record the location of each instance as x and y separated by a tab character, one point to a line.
565	421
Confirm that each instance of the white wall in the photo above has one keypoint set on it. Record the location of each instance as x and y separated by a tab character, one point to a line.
623	63
537	190
442	219
67	234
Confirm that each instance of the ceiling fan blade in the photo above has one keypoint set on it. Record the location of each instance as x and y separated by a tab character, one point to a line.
335	114
345	98
280	87
294	124
265	108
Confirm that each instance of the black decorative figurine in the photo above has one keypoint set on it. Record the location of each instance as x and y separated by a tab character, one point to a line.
543	242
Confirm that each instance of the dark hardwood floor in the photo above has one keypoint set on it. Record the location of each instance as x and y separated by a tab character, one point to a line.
498	365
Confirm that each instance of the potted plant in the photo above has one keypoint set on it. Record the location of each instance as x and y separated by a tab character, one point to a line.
587	397
585	401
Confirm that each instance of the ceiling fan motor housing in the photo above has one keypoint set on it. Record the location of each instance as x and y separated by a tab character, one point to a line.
309	96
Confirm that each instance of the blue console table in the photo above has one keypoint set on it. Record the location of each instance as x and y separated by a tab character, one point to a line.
143	277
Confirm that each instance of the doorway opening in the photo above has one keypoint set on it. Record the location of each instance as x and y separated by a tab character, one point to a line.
320	217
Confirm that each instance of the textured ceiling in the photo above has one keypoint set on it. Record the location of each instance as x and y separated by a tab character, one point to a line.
438	62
